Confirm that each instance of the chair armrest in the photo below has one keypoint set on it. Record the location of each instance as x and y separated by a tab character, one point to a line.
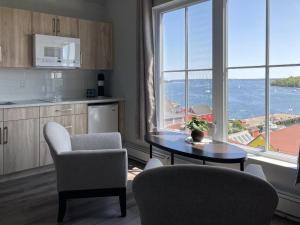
91	169
255	170
96	141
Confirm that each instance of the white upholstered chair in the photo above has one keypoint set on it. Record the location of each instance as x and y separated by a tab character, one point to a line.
89	165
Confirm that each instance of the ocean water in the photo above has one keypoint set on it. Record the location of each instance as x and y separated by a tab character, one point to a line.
246	97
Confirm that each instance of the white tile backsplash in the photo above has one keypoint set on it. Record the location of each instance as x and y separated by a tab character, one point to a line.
19	84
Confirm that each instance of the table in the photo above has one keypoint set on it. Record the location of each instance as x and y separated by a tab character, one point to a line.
215	151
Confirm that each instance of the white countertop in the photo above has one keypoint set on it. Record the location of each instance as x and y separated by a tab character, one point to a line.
46	102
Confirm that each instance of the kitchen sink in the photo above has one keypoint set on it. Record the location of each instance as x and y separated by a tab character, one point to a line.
7	103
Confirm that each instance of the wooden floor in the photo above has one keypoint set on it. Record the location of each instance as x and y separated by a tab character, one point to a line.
33	201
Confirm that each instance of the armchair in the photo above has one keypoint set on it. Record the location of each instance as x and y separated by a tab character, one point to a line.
89	165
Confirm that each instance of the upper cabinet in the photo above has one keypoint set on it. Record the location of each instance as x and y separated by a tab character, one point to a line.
15	38
17	27
48	24
88	43
96	45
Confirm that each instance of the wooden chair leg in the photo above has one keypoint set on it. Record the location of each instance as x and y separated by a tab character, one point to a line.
62	204
122	198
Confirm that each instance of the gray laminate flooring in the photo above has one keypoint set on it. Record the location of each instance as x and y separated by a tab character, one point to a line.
33	201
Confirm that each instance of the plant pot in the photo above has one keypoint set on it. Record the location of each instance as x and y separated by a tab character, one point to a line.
197	135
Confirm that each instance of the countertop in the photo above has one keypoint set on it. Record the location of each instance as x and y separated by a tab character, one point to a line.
47	102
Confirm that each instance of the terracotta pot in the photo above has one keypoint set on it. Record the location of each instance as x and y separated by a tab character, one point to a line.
197	135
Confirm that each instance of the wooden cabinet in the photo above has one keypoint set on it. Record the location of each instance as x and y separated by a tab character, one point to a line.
56	110
48	24
66	26
88	43
1	148
43	23
15	38
81	124
21	145
96	45
104	46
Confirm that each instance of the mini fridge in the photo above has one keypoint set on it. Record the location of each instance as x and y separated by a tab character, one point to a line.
103	118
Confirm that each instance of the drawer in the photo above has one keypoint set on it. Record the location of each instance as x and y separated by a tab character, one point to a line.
56	110
66	121
1	115
21	113
81	109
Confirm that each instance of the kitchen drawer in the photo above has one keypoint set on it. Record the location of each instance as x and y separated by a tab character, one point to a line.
81	109
56	110
21	113
1	115
66	121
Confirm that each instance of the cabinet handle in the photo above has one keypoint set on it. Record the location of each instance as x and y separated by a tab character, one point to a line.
57	26
68	127
0	136
0	53
80	58
63	110
5	135
53	25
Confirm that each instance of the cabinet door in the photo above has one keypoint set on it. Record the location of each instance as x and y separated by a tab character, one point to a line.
104	46
81	123
1	148
66	27
21	145
43	23
15	38
88	43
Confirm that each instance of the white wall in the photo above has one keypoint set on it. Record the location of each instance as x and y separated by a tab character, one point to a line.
124	76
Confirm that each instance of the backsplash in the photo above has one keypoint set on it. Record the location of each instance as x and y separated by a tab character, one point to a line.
22	84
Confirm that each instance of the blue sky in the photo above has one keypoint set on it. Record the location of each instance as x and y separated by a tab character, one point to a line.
246	37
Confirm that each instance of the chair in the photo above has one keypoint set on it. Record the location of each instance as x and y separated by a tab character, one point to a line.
203	195
89	165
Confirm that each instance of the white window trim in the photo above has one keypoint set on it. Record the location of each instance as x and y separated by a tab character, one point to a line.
220	69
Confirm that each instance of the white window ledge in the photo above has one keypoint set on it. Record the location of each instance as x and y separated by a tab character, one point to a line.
269	160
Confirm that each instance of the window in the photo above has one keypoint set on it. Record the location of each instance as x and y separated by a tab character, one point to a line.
260	71
264	74
185	64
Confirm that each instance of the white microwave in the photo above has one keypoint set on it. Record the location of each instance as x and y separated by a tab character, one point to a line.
56	52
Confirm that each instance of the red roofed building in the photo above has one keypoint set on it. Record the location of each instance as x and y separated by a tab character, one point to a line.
286	140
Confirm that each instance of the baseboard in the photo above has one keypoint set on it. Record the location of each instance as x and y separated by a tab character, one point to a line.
27	173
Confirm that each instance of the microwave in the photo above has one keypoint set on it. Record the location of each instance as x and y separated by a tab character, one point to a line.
56	52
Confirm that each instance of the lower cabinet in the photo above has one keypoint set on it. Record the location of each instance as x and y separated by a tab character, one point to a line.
20	145
1	148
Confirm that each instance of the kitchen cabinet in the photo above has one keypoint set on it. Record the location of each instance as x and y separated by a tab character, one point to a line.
15	38
81	124
104	46
48	24
88	43
21	145
95	44
56	110
1	147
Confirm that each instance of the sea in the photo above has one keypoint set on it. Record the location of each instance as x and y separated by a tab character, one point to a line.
246	97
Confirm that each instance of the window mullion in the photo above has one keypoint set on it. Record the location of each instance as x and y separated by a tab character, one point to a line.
267	74
186	64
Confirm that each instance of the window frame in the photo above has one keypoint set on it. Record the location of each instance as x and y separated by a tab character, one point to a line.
158	12
219	70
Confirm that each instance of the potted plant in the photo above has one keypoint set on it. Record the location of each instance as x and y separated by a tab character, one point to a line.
198	127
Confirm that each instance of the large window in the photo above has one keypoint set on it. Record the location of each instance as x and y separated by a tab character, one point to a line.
185	64
260	73
263	74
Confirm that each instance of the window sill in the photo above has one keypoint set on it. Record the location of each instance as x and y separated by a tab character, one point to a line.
272	161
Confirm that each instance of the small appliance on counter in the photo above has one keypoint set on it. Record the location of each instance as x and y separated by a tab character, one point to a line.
91	93
100	84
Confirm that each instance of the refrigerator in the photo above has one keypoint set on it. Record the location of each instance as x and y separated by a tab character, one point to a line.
103	118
